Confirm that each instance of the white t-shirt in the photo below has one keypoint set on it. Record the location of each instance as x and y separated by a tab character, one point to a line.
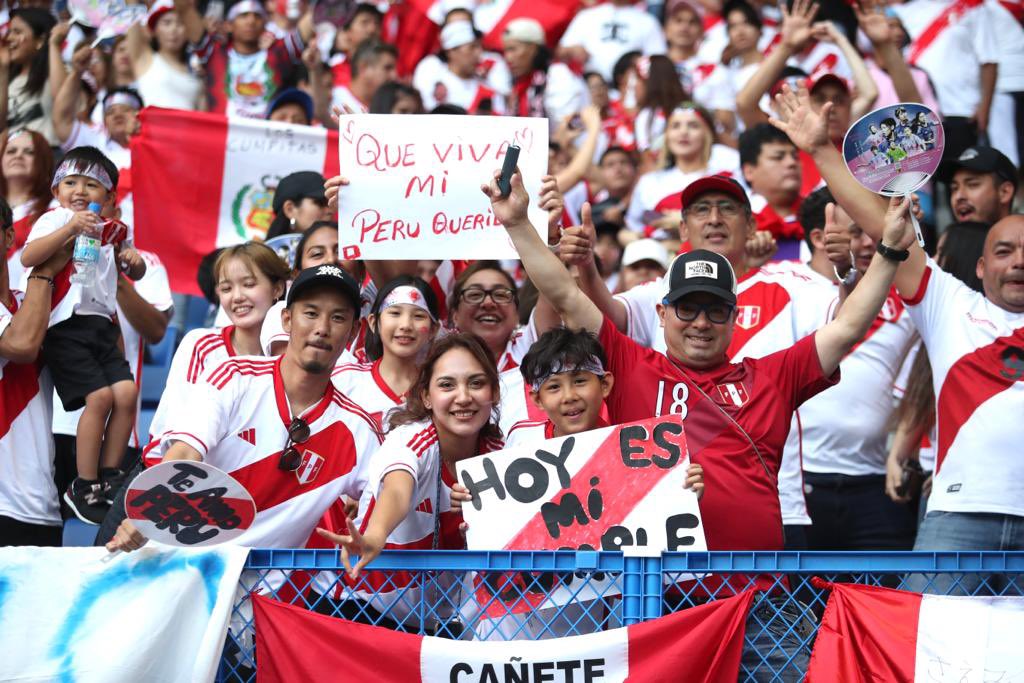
441	86
697	79
1009	46
238	418
660	190
27	491
607	32
776	307
976	350
954	58
98	297
200	349
92	136
516	405
845	428
155	289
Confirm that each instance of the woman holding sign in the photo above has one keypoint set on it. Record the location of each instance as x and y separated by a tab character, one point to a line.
449	416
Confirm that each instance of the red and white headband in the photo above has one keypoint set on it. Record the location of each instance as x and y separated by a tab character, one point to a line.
407	294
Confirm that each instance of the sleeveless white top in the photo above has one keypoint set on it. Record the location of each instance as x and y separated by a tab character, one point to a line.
162	85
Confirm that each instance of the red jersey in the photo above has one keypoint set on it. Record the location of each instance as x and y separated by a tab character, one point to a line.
741	503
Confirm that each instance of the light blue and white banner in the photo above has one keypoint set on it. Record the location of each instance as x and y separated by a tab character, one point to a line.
157	615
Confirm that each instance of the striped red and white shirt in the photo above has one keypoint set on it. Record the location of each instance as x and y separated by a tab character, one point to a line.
238	420
363	383
201	348
27	491
976	350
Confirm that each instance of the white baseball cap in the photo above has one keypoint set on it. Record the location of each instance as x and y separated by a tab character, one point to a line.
645	250
457	34
524	30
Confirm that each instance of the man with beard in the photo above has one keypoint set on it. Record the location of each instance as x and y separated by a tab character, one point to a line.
278	425
982	183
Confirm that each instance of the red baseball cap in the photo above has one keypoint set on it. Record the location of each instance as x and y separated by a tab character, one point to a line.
815	80
714	183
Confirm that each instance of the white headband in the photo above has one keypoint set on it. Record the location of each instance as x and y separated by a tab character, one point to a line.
244	7
122	98
70	167
407	294
592	364
457	34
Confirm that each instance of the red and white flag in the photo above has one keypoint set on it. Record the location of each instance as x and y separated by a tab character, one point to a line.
203	181
871	634
553	15
700	644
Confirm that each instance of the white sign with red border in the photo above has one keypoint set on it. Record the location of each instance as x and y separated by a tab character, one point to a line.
414	184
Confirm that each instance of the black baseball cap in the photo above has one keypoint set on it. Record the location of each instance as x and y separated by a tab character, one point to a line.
328	276
714	183
983	160
298	186
701	270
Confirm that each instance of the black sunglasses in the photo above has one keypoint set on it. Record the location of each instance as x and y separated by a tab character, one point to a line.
717	313
291	458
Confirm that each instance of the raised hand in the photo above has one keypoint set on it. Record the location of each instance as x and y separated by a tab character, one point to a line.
796	23
551	200
576	246
898	232
837	241
331	188
872	20
760	248
808	129
510	210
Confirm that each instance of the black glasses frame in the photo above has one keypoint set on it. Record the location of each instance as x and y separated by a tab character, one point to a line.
706	308
484	293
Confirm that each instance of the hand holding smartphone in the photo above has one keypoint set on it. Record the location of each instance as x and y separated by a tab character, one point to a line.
507	169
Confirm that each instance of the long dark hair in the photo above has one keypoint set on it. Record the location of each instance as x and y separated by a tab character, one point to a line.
415	411
961	250
42	172
372	344
41	22
663	90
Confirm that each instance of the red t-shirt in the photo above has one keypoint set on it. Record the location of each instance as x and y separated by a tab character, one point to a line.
740	506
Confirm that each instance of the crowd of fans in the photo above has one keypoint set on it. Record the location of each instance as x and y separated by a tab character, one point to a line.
709	256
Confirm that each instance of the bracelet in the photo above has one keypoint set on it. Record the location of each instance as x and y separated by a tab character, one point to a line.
891	254
42	277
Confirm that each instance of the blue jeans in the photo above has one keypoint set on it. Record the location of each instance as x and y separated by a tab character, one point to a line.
778	639
853	513
965	531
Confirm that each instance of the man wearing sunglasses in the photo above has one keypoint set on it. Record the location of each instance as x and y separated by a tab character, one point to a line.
736	415
278	425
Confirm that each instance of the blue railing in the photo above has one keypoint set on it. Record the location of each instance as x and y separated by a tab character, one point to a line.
501	595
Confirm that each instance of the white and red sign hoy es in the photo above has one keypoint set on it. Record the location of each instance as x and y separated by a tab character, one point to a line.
615	488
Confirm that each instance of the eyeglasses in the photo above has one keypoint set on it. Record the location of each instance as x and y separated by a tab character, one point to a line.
291	457
688	311
499	295
726	208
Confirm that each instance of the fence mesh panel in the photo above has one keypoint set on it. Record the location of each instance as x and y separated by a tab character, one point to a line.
536	595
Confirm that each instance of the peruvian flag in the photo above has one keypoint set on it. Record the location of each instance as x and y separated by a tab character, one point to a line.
871	634
203	181
700	644
554	16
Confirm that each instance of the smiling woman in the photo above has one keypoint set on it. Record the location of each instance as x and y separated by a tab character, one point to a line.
484	301
26	167
26	89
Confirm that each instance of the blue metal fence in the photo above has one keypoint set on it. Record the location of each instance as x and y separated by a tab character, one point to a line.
501	595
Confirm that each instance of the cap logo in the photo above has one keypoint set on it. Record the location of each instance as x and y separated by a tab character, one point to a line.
968	154
334	271
701	269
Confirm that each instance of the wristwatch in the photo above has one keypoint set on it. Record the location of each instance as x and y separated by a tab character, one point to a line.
851	274
893	254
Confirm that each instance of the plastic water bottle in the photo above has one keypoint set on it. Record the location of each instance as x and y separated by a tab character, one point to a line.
87	252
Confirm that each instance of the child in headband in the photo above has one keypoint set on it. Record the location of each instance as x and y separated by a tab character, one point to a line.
81	346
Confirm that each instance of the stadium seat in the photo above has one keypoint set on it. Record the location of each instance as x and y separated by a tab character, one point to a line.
196	312
78	533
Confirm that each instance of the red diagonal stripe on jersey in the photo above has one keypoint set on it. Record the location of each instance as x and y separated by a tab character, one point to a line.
248	435
771	298
606	465
892	309
933	30
18	386
270	486
975	378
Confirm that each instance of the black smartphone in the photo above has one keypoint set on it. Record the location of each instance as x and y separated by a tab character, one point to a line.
507	169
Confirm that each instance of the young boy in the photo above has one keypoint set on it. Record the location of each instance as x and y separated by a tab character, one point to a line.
565	372
81	346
